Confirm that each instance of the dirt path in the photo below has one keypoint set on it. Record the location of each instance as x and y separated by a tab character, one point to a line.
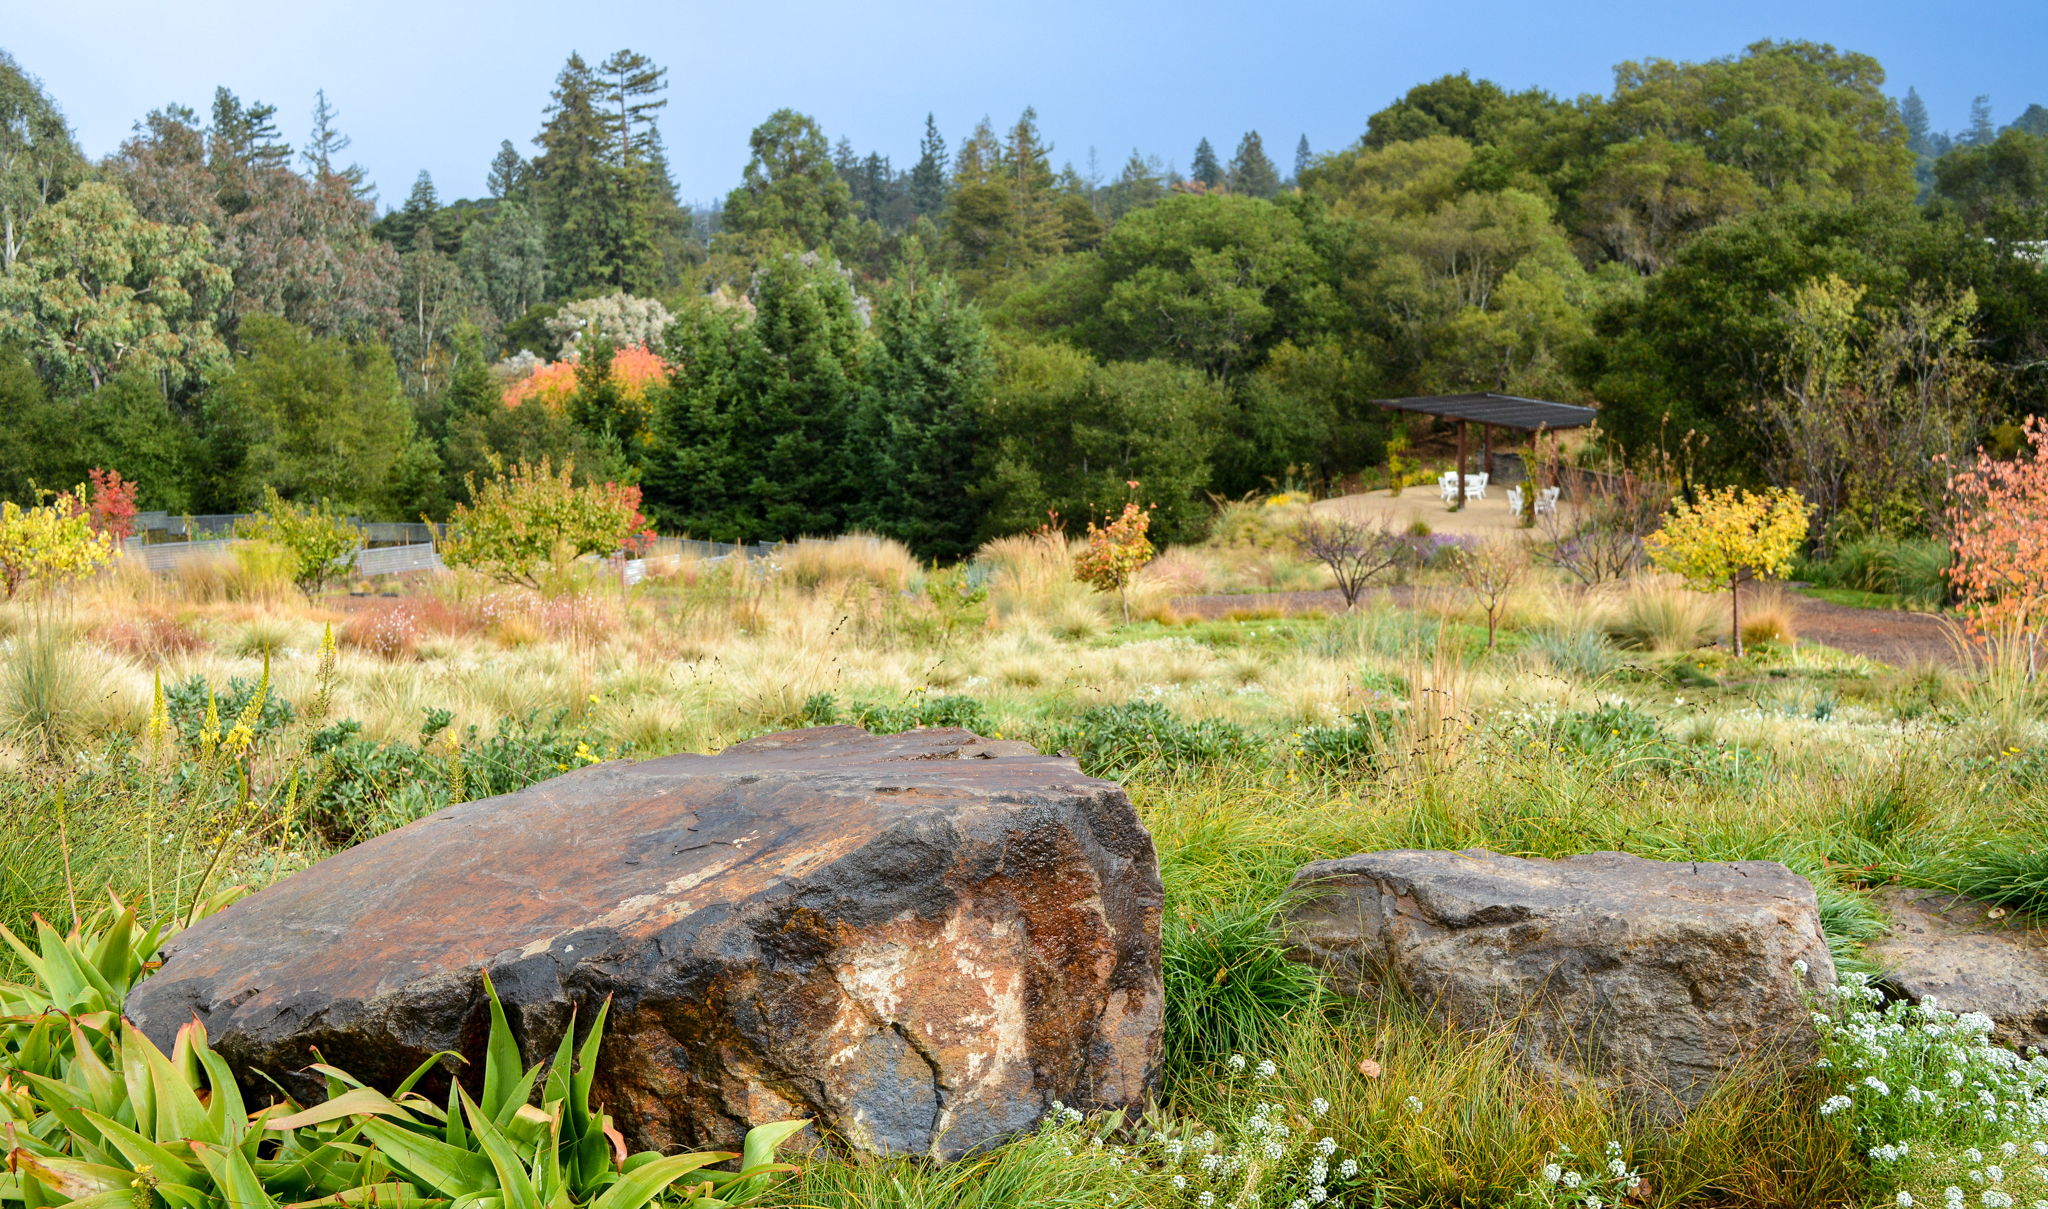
1886	635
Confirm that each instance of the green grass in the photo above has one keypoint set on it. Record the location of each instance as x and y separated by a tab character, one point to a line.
1857	598
1557	742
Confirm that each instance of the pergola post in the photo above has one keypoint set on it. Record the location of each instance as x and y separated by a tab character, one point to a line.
1486	451
1461	465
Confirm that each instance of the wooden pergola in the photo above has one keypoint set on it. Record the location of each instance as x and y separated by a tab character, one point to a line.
1491	411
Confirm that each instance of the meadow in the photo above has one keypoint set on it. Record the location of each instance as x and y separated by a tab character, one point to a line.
1600	718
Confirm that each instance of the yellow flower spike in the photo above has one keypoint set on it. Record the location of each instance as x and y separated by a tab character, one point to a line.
209	733
159	713
253	712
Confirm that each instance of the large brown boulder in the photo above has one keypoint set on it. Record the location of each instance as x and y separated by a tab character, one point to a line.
1652	977
919	940
1967	956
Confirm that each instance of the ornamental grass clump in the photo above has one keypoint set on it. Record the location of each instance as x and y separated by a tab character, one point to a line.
1944	1115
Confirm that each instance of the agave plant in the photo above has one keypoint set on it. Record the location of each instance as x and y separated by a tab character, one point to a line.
95	1116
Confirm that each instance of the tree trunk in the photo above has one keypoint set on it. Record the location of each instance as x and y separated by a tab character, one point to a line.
1735	613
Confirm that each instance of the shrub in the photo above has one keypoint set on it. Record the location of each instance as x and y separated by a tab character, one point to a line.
1358	744
1999	515
1914	571
1112	740
921	710
531	517
1356	552
322	542
366	788
189	704
387	631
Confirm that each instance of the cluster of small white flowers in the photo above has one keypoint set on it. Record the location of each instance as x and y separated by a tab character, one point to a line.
1955	1087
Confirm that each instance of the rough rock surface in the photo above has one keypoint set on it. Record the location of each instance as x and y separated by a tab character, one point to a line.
918	940
1949	948
1652	977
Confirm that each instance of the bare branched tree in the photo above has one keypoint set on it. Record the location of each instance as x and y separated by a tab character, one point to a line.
1491	571
1611	512
1355	551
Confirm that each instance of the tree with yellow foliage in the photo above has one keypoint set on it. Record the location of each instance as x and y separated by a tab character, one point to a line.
1728	538
50	542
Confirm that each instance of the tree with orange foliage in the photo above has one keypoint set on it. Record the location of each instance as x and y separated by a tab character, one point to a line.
1115	552
1998	518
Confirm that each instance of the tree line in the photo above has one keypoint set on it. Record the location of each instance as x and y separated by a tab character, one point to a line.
981	341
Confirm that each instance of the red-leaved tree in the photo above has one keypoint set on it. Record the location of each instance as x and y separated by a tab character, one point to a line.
1998	514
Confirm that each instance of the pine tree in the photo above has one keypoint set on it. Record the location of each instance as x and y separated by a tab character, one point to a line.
920	423
1913	112
509	172
325	144
418	213
1205	168
592	178
1251	173
247	133
928	179
1302	159
1982	131
633	85
789	189
1035	226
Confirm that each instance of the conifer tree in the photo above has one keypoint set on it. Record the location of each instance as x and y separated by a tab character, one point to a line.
1302	158
1251	173
1981	130
789	190
928	178
1206	169
1913	112
508	175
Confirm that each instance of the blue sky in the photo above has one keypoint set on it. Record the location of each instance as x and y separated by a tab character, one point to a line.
436	86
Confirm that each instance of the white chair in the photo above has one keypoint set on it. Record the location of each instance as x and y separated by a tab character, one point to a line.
1546	501
1447	484
1475	486
1514	501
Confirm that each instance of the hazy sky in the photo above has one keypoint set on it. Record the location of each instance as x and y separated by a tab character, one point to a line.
436	85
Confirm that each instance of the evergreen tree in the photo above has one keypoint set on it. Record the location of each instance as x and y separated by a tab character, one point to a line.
750	441
1205	168
633	85
789	190
1251	173
2034	121
1981	129
1140	184
509	172
570	180
1913	112
920	422
592	178
1302	158
247	134
324	146
928	179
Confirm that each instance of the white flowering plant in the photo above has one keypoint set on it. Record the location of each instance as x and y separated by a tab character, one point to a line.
1944	1115
1583	1183
1265	1149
